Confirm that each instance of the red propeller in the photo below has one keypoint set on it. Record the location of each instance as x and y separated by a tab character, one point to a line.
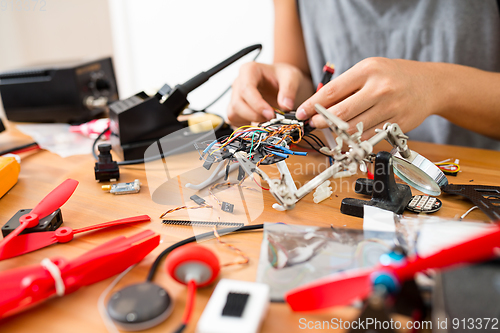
342	289
49	204
24	287
34	241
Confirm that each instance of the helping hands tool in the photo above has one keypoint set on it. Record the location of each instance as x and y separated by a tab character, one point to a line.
52	201
345	288
34	241
26	286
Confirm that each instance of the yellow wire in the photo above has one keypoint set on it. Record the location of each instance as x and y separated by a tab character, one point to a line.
449	163
279	111
237	130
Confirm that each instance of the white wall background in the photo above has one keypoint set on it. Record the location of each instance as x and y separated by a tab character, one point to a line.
61	30
152	41
169	41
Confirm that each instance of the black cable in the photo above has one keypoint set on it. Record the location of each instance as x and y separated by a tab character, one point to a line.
312	146
180	329
10	150
203	77
217	68
95	142
228	88
156	263
312	135
315	140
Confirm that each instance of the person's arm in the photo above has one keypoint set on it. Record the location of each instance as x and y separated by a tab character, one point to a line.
380	90
284	84
470	98
289	48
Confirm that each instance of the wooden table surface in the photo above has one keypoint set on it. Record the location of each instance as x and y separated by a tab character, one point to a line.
42	171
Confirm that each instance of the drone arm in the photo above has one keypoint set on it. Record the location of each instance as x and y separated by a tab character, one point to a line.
318	180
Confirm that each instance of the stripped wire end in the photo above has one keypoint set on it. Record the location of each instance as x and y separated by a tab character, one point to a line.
278	111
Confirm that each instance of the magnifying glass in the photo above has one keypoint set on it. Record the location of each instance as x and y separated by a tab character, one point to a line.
419	172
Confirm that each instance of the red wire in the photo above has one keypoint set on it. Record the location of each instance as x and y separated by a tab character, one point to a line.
26	150
259	185
191	293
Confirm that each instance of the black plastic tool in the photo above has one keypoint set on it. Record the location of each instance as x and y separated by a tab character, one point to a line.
48	223
106	169
386	194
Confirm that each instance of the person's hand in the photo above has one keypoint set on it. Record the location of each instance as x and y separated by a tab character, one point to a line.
260	87
376	91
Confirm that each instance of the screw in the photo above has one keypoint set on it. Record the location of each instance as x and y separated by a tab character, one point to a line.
131	316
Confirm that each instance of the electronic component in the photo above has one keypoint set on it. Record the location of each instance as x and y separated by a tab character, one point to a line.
9	172
67	93
204	223
424	204
235	306
105	168
199	200
195	266
227	207
123	188
48	223
208	162
140	306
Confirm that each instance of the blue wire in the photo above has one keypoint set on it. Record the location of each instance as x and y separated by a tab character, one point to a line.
291	152
209	146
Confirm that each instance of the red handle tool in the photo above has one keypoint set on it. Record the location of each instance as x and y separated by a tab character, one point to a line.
34	241
49	204
343	289
21	288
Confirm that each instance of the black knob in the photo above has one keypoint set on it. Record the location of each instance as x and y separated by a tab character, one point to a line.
104	148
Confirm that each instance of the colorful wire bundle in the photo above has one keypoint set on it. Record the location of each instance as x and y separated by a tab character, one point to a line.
258	140
449	168
241	133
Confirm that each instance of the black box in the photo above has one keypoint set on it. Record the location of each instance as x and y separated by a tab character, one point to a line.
67	93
